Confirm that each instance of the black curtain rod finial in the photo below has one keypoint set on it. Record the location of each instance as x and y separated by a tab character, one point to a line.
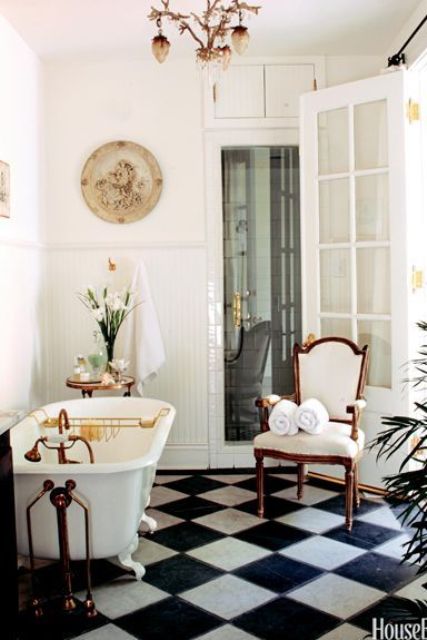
397	60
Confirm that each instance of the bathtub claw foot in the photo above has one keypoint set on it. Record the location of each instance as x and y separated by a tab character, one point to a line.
125	559
150	522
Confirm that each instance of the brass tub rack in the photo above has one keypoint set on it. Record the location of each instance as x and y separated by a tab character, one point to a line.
99	428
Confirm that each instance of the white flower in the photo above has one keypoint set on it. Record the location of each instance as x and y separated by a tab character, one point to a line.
98	314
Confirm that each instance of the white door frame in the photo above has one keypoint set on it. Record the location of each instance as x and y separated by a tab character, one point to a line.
222	455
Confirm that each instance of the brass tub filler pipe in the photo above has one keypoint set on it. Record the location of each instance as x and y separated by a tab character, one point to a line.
61	498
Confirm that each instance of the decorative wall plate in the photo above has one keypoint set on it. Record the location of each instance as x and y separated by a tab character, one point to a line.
121	182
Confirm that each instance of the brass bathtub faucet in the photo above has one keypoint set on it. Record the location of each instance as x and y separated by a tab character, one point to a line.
33	455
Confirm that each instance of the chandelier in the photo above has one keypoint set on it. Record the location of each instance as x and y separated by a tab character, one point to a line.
209	30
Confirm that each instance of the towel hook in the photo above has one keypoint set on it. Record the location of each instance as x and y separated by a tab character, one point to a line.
112	266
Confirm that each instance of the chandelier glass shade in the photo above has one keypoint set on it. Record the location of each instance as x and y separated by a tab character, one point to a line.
211	30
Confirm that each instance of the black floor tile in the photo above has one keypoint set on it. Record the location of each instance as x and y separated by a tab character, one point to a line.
272	535
195	484
271	484
283	618
56	625
170	618
381	572
277	573
363	534
186	536
337	505
190	508
179	573
273	507
49	578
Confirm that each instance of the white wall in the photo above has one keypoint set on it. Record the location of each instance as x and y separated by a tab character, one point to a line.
20	259
88	104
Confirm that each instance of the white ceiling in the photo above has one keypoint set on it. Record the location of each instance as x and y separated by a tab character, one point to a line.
284	27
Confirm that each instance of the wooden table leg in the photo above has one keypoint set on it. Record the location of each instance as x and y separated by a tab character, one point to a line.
127	393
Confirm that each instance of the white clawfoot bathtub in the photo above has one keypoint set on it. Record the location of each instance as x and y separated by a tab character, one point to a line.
116	487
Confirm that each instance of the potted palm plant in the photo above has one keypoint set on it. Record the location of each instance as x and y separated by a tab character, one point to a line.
408	486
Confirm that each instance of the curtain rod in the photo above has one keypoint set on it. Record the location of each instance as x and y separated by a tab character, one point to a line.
399	57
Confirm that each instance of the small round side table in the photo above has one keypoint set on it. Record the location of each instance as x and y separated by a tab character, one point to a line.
87	388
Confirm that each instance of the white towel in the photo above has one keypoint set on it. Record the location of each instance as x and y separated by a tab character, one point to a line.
143	341
311	416
281	420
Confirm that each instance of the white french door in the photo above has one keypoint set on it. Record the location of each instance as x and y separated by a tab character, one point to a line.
356	236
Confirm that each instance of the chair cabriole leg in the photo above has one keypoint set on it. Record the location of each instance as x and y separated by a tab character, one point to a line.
301	478
349	490
260	482
356	486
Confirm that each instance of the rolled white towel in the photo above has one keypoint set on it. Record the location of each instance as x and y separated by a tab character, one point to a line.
281	420
311	416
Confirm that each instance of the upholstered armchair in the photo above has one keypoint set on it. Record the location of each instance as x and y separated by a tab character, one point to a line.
332	370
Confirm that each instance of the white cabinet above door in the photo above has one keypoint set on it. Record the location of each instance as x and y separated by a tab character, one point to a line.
261	94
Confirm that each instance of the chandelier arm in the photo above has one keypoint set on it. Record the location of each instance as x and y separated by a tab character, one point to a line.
184	26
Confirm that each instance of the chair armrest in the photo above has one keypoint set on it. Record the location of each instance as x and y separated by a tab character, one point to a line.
355	409
264	405
357	404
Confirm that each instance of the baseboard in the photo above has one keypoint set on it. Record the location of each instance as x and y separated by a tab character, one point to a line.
184	456
363	487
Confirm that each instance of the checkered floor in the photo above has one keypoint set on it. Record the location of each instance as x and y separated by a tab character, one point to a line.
215	571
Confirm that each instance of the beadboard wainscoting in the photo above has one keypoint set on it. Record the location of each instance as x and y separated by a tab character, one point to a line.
177	276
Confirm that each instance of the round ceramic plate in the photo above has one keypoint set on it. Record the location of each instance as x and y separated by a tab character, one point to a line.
121	182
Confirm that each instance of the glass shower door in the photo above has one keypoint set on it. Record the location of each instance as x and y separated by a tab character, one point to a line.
262	306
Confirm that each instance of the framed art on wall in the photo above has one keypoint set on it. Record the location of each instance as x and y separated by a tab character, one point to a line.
121	182
4	190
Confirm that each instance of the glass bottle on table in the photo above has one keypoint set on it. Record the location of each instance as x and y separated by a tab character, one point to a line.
98	356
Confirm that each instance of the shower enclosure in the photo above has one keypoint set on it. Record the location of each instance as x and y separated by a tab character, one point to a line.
262	280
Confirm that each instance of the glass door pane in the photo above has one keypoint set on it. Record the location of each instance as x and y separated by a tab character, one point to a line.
262	306
353	239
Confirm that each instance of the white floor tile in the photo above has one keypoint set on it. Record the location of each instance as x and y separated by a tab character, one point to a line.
393	547
229	553
163	520
229	521
228	596
322	552
415	590
149	551
162	495
162	479
383	517
336	595
229	496
345	632
123	596
108	632
313	520
231	479
227	632
312	495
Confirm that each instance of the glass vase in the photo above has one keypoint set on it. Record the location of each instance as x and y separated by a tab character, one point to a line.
98	356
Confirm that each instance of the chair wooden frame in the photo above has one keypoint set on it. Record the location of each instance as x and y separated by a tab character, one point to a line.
354	410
